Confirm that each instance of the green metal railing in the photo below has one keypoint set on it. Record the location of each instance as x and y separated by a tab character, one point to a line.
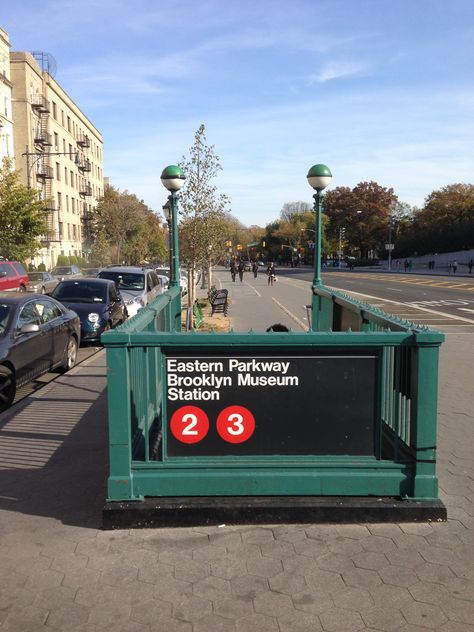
404	459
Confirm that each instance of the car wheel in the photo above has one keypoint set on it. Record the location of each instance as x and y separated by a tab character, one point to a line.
70	355
7	388
22	288
43	290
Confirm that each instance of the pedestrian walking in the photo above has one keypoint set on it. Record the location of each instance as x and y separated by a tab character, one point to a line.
255	269
241	270
270	273
470	265
233	270
455	266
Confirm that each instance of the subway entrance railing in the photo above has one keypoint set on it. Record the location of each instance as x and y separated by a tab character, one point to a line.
346	411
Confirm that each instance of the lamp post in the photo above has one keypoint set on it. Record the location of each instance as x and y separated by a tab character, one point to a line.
342	233
167	211
319	176
173	178
389	246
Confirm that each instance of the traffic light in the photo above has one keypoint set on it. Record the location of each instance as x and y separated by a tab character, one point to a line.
239	246
263	244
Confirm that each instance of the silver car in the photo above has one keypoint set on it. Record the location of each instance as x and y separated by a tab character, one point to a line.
41	282
138	286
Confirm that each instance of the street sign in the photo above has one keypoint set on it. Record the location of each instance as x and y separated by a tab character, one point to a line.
254	243
389	246
262	405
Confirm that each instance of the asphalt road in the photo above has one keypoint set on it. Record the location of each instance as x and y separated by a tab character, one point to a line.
442	302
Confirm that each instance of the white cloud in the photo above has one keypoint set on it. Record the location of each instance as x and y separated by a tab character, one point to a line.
338	70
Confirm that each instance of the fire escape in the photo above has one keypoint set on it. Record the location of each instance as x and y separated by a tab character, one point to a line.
43	170
85	190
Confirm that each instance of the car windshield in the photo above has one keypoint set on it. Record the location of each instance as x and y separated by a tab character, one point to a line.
35	276
80	292
62	270
4	315
125	280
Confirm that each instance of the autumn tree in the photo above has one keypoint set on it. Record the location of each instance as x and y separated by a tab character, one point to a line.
202	209
363	212
23	218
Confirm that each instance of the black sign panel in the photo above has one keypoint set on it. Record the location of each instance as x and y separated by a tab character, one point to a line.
271	405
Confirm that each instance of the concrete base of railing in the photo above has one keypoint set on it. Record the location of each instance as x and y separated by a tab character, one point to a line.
214	511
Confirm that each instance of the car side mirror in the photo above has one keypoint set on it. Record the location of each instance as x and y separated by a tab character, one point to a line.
3	274
30	328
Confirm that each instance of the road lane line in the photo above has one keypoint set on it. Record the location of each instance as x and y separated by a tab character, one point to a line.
303	325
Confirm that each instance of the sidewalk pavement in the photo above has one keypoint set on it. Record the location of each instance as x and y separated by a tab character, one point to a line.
60	572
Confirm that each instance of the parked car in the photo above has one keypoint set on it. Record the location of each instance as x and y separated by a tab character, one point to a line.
92	272
37	335
41	282
13	276
183	278
138	286
164	281
63	272
98	303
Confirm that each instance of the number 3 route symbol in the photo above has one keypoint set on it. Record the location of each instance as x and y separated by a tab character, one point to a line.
189	424
235	424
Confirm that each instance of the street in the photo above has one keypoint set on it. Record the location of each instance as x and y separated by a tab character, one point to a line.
442	302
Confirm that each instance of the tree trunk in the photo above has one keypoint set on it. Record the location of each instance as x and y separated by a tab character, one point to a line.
209	275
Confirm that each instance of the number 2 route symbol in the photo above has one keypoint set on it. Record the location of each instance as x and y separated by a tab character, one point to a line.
189	424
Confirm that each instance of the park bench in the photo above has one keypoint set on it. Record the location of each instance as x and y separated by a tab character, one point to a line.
218	300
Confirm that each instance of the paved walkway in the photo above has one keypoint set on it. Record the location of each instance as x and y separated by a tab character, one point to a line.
59	571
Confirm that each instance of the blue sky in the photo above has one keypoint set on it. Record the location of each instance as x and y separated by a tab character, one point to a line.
376	89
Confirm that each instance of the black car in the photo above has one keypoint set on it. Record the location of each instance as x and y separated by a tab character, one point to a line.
97	302
37	335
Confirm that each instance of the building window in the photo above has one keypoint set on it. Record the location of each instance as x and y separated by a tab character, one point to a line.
65	175
70	151
68	124
60	197
60	229
56	141
73	204
72	179
62	118
58	172
67	203
55	113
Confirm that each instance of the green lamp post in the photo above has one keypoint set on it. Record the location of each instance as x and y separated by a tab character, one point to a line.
319	176
173	178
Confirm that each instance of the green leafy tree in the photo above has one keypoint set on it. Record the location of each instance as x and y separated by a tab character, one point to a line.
23	218
124	229
202	209
445	223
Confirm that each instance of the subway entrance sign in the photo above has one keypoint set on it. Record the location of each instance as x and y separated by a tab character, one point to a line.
319	403
330	425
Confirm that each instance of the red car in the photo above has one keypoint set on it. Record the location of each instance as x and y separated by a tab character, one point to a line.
13	276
